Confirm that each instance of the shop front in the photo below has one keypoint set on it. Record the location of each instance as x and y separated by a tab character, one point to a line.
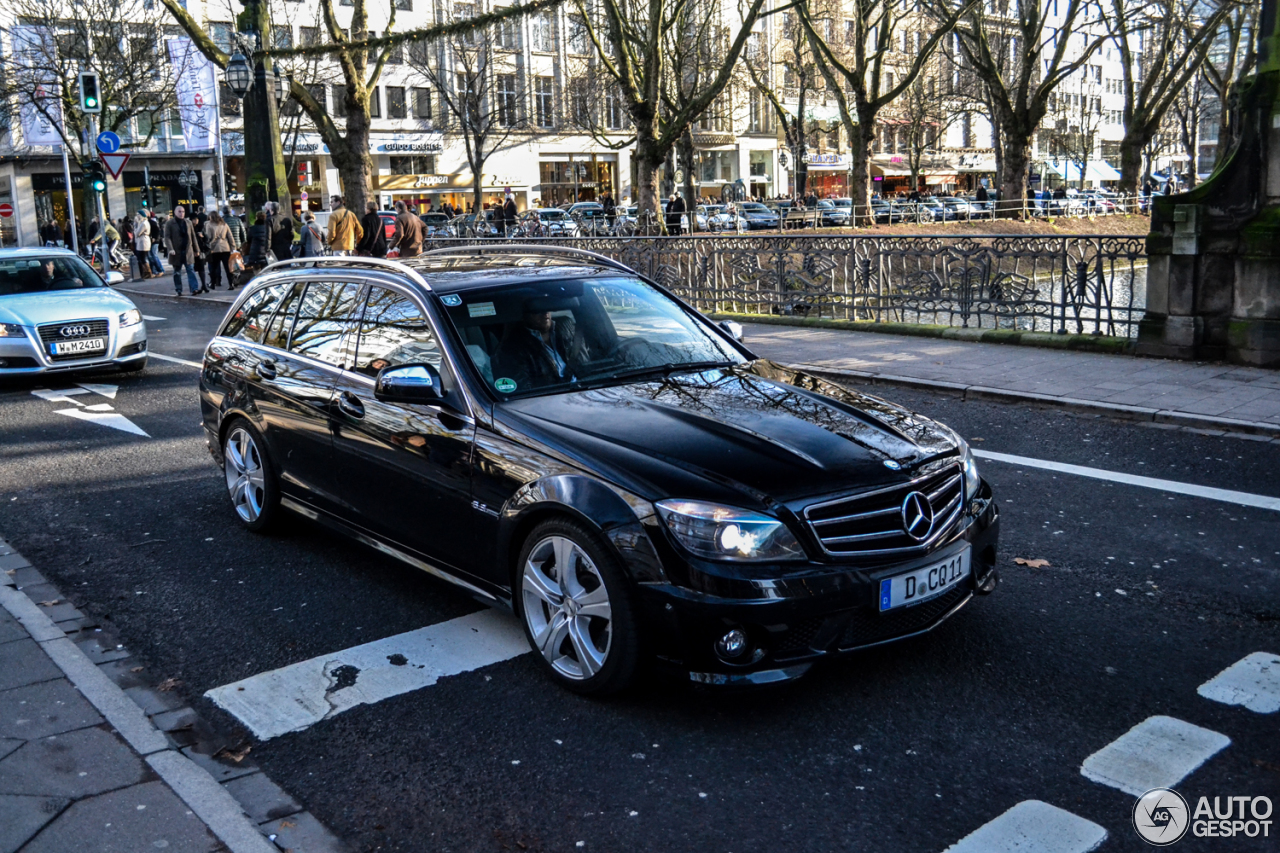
430	192
715	167
760	179
50	192
975	169
168	188
890	175
829	175
568	178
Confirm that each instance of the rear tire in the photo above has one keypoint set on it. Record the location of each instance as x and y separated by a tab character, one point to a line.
575	603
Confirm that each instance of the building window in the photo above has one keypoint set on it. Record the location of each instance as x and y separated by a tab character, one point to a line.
375	102
542	33
579	37
282	38
579	105
221	34
507	100
396	106
462	12
615	110
508	31
544	101
418	164
404	5
308	36
422	103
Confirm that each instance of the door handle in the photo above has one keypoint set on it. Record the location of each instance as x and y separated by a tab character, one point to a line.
266	369
350	405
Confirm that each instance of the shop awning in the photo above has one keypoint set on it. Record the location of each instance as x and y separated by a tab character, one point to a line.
1095	170
814	112
939	180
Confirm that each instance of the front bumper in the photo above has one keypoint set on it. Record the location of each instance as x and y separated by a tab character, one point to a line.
791	623
26	356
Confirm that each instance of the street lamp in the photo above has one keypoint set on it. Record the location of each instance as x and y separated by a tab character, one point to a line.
239	75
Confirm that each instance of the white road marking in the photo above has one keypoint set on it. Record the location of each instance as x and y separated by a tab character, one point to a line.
151	319
300	695
1033	826
99	407
1242	498
195	364
1253	682
108	391
1159	752
115	420
63	396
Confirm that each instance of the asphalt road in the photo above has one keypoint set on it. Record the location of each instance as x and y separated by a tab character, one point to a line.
905	748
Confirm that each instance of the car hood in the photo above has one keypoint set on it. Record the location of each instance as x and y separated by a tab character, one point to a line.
54	306
749	435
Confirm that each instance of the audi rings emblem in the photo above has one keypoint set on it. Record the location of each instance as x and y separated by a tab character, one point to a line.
74	331
917	516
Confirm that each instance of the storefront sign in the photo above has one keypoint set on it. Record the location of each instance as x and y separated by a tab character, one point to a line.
705	140
417	182
827	159
421	143
233	144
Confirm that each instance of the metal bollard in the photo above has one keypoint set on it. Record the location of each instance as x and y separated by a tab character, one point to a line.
134	272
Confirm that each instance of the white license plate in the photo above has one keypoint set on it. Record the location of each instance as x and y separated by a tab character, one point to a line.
923	584
72	347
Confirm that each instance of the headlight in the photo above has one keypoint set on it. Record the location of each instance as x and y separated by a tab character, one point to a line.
132	317
9	330
725	533
972	482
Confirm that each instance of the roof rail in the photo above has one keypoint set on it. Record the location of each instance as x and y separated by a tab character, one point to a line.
349	261
529	248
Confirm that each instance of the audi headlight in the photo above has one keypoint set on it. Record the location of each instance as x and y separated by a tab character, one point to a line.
725	533
972	481
132	317
10	330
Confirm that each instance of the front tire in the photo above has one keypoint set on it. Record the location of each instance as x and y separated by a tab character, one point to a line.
251	482
575	603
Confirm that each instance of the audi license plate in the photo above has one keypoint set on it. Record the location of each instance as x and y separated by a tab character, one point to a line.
76	347
923	584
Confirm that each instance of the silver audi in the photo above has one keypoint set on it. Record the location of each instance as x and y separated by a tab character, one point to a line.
57	314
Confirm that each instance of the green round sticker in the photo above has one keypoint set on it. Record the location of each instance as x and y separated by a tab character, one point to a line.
505	385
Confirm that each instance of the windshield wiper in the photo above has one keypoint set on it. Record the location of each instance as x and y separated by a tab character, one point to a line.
663	370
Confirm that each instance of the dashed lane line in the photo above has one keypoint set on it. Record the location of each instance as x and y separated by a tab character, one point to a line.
1226	495
1253	682
1159	752
1033	826
194	364
300	695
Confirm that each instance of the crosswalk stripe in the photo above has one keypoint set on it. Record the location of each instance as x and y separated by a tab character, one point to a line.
1253	682
1159	752
1033	826
1226	495
300	695
175	360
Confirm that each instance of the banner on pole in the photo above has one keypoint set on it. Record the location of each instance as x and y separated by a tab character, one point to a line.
39	101
197	97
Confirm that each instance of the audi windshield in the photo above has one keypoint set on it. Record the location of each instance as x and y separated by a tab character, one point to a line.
40	275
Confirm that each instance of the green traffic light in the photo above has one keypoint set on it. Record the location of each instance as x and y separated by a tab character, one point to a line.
91	102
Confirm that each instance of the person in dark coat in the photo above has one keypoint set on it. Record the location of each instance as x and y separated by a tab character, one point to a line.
281	226
374	242
538	352
675	211
254	249
509	215
610	209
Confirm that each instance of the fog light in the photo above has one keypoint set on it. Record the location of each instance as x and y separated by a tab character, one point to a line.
988	584
732	645
4	362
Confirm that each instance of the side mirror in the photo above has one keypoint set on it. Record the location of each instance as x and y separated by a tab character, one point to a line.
734	330
114	277
408	383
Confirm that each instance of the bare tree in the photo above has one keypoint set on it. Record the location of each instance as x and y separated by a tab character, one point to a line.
1073	123
879	35
482	94
1229	62
1189	111
925	114
1169	41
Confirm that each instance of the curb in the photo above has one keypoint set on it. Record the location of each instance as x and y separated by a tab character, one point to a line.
212	802
191	300
1108	345
1113	410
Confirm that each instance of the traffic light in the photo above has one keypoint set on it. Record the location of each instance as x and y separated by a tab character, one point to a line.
95	177
305	174
90	99
231	182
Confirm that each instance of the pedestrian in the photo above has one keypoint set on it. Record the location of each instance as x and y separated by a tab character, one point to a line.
281	225
344	229
181	241
675	210
254	249
373	241
408	233
509	214
217	236
610	209
142	245
235	225
312	245
51	234
153	256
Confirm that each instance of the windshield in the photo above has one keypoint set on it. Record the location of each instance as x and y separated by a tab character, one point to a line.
551	214
38	275
754	206
556	336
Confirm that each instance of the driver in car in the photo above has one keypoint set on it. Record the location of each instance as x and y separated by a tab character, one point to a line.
539	351
49	274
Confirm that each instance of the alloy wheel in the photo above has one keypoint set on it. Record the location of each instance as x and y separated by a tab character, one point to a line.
246	481
567	609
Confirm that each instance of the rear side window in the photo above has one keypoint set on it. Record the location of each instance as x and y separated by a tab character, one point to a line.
249	323
324	316
394	332
282	322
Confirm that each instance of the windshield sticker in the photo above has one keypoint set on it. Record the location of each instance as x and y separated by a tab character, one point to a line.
505	385
481	309
453	300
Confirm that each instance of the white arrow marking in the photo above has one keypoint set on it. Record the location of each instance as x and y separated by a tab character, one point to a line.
113	420
108	391
151	319
98	407
59	396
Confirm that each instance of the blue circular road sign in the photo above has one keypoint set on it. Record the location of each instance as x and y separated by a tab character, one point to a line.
108	142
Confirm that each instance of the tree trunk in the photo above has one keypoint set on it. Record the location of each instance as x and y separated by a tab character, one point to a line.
649	209
861	136
1131	163
686	157
1193	150
1013	176
352	157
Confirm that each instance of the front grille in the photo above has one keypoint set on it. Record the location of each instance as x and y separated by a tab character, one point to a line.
52	332
871	523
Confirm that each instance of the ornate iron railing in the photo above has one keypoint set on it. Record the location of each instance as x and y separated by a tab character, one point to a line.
1067	284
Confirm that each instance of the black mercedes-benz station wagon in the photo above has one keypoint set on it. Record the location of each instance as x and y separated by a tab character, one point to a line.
554	433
